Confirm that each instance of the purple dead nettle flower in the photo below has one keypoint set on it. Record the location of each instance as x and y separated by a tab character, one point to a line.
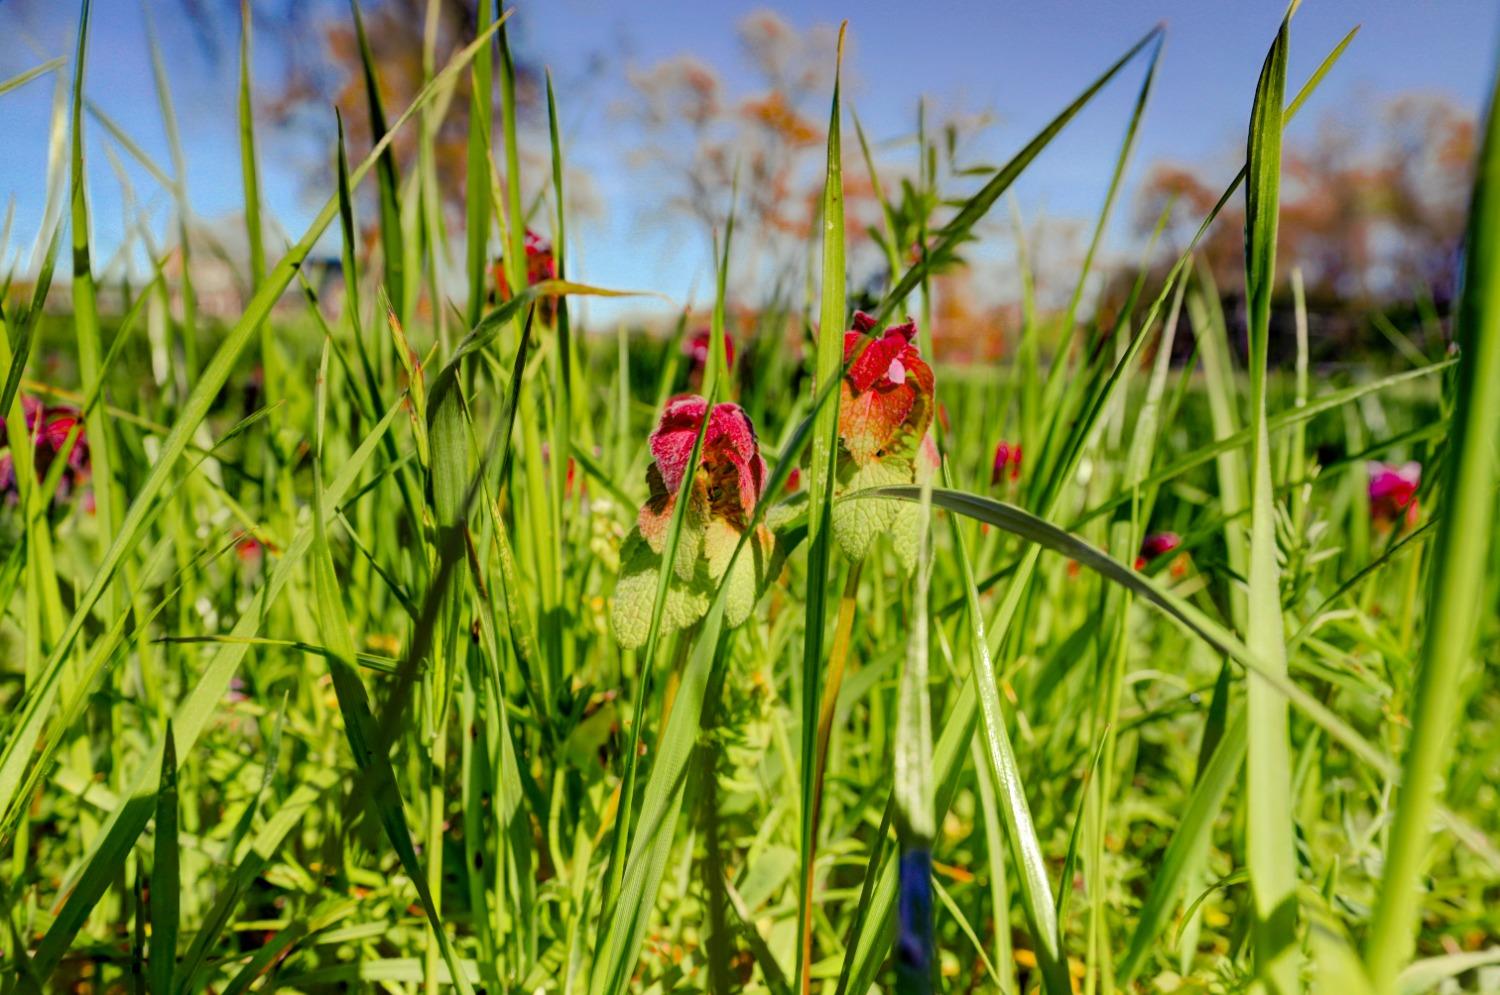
696	348
886	407
1007	463
725	488
1393	493
47	426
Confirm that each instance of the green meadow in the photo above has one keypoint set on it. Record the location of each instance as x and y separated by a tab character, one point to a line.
407	632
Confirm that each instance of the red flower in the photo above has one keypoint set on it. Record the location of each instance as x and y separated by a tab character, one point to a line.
727	484
48	428
695	347
886	406
1156	544
1393	492
731	472
1006	455
540	265
886	395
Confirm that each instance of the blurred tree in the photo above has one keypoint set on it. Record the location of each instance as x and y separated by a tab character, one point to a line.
1372	211
702	135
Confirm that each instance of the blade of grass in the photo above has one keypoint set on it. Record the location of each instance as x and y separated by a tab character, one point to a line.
1189	844
477	200
35	72
949	236
179	194
387	173
1457	575
143	507
914	953
165	884
1270	854
85	306
359	722
828	370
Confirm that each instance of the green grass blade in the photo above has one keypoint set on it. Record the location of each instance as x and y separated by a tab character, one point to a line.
1270	854
912	788
948	237
480	214
249	169
195	408
1189	843
180	196
85	302
1457	574
165	884
514	220
359	722
828	370
388	178
35	72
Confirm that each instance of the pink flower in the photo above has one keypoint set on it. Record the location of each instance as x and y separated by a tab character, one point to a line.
1393	492
695	347
885	409
540	265
731	472
726	485
48	428
1006	455
1156	544
886	401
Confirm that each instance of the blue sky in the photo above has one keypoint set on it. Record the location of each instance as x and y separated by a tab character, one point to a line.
1021	61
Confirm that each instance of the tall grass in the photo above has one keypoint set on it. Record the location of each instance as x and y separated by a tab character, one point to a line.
316	687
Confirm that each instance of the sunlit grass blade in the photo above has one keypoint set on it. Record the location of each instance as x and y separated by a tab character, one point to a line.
513	219
249	166
180	195
195	407
35	72
957	228
360	727
1189	843
1270	855
828	369
85	302
165	882
915	956
480	216
388	178
287	815
1457	573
